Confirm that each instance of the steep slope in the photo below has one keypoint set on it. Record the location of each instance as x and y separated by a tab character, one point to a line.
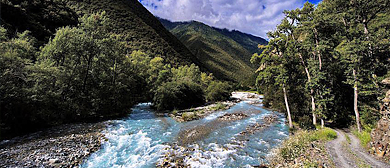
248	41
138	27
225	53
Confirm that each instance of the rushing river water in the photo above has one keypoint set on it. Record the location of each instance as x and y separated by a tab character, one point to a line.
143	139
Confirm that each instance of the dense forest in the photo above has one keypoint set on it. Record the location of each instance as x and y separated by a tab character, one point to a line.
86	73
135	24
326	63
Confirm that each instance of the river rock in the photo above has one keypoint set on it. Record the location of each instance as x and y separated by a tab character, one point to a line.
188	116
253	128
233	116
61	146
269	119
52	161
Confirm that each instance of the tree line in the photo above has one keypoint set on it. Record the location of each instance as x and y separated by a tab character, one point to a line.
86	73
327	62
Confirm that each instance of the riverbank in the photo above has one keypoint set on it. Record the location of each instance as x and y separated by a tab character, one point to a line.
71	144
203	111
62	146
304	149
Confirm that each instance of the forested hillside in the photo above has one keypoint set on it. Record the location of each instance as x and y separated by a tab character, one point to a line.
327	62
136	25
60	62
248	41
225	53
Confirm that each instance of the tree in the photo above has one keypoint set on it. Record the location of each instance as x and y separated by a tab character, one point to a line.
273	69
218	91
357	46
15	55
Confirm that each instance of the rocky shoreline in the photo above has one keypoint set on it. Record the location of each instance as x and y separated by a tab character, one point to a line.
70	144
201	112
62	146
177	155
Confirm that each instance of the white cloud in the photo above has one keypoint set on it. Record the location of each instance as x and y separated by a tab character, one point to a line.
256	17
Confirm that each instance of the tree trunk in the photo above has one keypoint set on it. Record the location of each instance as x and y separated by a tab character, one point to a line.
317	44
322	123
313	108
355	102
313	104
288	108
87	73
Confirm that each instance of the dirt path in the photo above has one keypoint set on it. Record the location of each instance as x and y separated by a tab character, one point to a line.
341	157
356	148
349	153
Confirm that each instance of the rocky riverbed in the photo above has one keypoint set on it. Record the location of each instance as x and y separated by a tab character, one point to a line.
201	112
63	146
181	154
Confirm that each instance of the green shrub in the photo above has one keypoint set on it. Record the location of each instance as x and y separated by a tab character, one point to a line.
218	106
178	95
324	134
364	137
218	91
305	122
188	116
296	144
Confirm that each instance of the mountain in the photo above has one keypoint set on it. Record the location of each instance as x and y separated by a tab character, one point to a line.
247	41
225	53
136	25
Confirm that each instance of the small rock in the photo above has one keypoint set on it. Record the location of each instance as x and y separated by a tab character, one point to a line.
52	161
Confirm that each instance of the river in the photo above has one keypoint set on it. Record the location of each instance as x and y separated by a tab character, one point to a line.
144	139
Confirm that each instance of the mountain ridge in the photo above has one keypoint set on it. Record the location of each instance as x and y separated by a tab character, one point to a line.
225	53
136	25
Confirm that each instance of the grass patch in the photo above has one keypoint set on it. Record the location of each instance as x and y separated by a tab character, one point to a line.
298	143
348	138
325	134
175	111
364	137
218	106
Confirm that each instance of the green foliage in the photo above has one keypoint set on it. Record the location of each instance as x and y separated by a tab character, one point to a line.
305	122
218	106
364	137
186	86
87	73
218	91
187	73
188	116
323	134
178	95
95	77
14	82
136	26
295	145
298	143
313	53
225	54
41	17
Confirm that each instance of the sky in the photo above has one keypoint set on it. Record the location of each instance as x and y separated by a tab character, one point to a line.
255	17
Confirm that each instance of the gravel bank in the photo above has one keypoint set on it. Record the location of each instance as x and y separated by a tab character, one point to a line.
62	146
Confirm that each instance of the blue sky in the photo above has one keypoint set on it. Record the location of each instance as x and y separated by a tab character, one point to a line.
256	17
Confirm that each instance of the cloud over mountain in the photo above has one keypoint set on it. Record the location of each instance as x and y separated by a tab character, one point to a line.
251	16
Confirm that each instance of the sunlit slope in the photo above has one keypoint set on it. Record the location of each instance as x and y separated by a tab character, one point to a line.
224	56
